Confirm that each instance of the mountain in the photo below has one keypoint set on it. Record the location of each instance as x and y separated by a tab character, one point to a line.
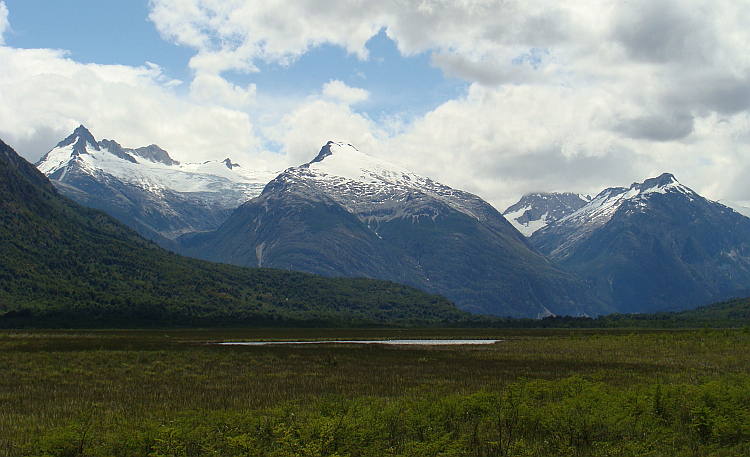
146	189
653	246
62	264
536	211
349	214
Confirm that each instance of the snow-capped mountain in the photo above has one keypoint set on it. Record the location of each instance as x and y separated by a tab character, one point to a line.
376	190
653	246
148	190
348	214
536	211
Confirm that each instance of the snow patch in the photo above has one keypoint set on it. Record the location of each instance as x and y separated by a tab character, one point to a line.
234	185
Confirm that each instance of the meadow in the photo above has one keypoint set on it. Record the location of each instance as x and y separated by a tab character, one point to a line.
537	392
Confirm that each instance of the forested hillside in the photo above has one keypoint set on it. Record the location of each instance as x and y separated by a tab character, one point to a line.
65	265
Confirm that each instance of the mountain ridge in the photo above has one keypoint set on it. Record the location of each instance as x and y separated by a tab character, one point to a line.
348	214
146	189
654	246
62	264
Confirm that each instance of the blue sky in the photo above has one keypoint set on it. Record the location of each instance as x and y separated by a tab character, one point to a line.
499	98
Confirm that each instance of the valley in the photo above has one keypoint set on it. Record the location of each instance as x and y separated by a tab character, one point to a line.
550	392
614	388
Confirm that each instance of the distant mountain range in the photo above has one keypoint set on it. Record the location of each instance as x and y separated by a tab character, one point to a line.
64	265
653	246
349	214
146	189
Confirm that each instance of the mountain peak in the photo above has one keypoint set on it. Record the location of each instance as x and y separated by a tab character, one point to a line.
663	180
535	211
325	151
331	148
155	154
80	136
345	161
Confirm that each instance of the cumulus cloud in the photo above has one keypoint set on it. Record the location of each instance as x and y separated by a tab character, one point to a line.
44	93
232	34
337	90
562	94
311	125
213	89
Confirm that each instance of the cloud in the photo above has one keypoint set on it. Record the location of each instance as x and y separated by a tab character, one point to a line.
665	45
561	94
213	89
4	24
662	31
312	124
661	127
44	91
337	90
231	35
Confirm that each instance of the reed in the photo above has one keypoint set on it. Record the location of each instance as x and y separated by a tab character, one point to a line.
169	393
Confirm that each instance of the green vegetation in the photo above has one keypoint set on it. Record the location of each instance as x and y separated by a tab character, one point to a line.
63	265
542	392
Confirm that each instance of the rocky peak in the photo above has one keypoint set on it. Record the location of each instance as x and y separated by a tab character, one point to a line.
79	138
325	151
114	148
155	154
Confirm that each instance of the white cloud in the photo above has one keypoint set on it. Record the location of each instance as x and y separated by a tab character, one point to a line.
213	89
4	24
337	90
42	91
312	124
232	34
564	94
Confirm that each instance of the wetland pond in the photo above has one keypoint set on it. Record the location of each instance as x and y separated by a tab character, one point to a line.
436	342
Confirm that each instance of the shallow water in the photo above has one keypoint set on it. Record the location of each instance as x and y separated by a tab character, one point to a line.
393	342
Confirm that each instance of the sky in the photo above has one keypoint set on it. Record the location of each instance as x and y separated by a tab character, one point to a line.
496	97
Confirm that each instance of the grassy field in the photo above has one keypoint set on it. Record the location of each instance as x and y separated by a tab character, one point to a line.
538	392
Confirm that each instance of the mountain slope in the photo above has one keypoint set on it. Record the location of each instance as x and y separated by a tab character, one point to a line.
146	189
348	214
62	264
536	211
654	246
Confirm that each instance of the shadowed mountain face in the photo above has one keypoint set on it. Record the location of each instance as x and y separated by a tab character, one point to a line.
654	246
62	264
348	214
146	189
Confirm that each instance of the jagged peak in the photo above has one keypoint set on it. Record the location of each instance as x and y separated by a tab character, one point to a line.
229	164
325	151
155	154
114	148
663	180
79	138
659	184
333	147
